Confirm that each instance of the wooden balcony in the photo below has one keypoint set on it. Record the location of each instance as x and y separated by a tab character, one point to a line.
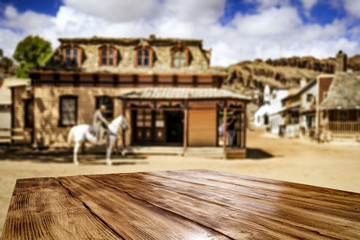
344	127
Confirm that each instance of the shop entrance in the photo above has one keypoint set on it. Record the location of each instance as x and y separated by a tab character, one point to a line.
174	126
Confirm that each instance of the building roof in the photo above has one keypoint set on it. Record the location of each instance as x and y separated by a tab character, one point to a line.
204	73
129	41
5	92
158	93
344	92
301	90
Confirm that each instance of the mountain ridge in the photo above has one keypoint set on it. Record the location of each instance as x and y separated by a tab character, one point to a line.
247	76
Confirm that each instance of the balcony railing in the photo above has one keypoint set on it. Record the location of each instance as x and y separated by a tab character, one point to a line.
344	127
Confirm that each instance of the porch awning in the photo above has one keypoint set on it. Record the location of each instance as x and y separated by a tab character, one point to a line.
178	93
292	108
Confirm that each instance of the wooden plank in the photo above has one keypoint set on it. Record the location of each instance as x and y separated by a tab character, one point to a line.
134	218
188	204
271	189
343	221
42	209
202	127
289	188
252	216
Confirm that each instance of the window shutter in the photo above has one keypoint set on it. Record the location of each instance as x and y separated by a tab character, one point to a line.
115	57
79	57
135	58
64	55
172	57
100	56
150	57
187	55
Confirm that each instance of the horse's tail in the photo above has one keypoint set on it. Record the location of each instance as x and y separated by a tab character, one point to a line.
70	137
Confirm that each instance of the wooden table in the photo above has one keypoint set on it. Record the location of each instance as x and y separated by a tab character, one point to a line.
193	204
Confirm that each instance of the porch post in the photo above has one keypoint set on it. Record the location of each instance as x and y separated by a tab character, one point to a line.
225	127
186	127
123	131
245	125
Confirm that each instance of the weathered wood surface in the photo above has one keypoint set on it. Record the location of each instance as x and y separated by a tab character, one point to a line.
192	204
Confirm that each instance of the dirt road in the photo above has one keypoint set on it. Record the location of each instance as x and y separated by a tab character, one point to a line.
328	165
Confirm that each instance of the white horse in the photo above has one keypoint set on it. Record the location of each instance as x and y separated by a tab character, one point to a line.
81	133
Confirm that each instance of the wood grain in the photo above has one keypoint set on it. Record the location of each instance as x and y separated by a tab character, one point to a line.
134	218
42	209
251	213
189	204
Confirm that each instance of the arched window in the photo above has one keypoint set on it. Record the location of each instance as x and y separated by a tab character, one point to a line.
72	56
108	102
107	56
179	57
143	57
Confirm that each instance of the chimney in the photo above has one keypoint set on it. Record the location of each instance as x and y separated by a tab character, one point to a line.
303	82
341	62
266	94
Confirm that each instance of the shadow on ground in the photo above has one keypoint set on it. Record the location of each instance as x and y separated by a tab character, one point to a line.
256	153
66	156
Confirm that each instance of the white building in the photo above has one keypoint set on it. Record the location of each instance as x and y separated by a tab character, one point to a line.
275	115
308	109
299	110
261	116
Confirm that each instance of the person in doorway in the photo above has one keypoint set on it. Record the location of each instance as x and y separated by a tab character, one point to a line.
231	129
100	124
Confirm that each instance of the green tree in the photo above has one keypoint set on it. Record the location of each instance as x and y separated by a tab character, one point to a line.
32	52
6	63
1	53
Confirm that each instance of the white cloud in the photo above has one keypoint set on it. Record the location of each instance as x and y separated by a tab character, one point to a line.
9	40
269	22
200	11
353	7
28	20
275	30
308	4
116	10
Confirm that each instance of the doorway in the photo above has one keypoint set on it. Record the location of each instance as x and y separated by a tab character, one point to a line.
174	126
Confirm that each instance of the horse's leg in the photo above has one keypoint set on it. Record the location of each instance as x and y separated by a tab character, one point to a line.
76	149
108	150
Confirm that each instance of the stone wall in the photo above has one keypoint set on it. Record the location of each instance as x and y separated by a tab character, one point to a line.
47	104
20	134
198	60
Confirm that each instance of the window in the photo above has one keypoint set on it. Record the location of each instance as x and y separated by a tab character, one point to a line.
29	120
107	56
343	116
72	56
180	57
144	57
107	101
68	110
309	97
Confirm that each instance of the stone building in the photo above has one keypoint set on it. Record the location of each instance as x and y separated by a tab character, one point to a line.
339	102
6	107
84	73
339	113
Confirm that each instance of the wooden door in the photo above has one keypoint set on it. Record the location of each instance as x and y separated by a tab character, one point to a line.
143	126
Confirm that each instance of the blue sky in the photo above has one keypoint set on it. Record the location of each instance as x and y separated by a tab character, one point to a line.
235	30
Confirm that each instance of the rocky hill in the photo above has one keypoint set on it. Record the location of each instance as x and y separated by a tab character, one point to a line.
247	76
